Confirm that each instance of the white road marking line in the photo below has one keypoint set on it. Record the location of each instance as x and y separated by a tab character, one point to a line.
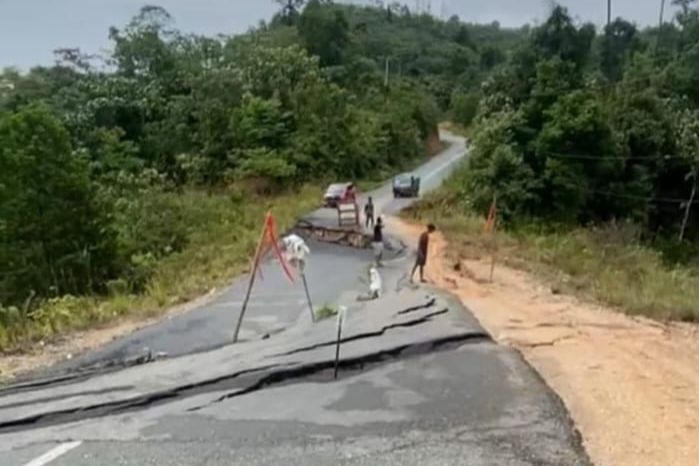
53	454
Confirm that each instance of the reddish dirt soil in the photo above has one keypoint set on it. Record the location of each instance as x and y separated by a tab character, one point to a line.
630	384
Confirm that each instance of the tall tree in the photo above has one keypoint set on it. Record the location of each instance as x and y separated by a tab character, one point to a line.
685	6
53	236
324	31
141	49
559	36
290	9
617	44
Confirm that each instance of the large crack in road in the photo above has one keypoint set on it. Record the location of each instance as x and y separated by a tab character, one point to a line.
377	333
350	366
258	378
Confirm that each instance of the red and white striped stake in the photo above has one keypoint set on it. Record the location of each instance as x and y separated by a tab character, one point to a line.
268	241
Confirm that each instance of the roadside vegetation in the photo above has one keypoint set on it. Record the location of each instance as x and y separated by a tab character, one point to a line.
609	264
136	180
588	142
325	312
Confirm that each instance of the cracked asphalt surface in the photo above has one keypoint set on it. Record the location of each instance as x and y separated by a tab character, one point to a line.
420	382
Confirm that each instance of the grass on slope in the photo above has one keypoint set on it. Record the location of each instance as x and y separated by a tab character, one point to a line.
608	264
221	229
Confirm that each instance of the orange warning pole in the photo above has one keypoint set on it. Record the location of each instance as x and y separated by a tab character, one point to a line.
253	274
268	240
491	227
273	239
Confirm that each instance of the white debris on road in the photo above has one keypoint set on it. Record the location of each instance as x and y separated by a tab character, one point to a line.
375	284
296	250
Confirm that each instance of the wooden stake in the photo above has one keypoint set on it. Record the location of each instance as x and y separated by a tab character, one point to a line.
494	244
308	295
253	274
492	262
340	319
688	208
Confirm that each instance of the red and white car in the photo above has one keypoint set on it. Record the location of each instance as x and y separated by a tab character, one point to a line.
339	193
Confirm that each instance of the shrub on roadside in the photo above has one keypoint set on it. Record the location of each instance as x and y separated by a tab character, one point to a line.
609	263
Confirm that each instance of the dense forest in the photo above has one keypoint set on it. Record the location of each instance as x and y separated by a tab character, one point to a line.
117	171
587	140
583	126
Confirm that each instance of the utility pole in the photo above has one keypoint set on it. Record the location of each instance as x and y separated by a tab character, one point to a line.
386	73
690	202
662	13
609	12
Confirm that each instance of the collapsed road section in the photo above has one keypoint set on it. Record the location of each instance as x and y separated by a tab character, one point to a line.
378	332
418	376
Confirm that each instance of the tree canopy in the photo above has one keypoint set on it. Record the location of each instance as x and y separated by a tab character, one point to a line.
578	127
88	146
571	125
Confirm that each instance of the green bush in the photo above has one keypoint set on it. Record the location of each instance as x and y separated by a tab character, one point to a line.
464	107
325	312
55	236
216	236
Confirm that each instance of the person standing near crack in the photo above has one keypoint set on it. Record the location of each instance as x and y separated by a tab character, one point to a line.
369	213
377	241
422	250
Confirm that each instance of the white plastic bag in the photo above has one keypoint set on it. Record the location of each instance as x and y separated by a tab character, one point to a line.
295	250
375	284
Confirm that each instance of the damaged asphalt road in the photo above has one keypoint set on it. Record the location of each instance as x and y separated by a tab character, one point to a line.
420	383
421	387
275	304
273	359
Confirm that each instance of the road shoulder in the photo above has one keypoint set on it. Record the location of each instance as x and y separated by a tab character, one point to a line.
67	347
630	384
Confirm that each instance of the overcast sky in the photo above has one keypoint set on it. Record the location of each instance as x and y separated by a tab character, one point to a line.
31	29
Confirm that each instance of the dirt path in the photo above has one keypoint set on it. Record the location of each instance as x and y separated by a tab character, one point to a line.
630	384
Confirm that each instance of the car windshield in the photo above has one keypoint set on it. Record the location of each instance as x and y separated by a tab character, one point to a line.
403	180
336	189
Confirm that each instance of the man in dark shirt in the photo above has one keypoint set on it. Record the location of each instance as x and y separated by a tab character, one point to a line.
377	241
422	249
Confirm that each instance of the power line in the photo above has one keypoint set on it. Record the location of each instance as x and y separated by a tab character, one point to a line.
596	86
659	200
650	200
611	157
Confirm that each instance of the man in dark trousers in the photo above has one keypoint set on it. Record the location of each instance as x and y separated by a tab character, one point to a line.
369	213
377	241
422	249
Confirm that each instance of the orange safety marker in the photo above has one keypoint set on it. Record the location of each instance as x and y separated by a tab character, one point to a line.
490	228
268	241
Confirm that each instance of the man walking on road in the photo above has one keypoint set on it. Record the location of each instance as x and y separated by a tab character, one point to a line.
377	241
422	249
369	213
